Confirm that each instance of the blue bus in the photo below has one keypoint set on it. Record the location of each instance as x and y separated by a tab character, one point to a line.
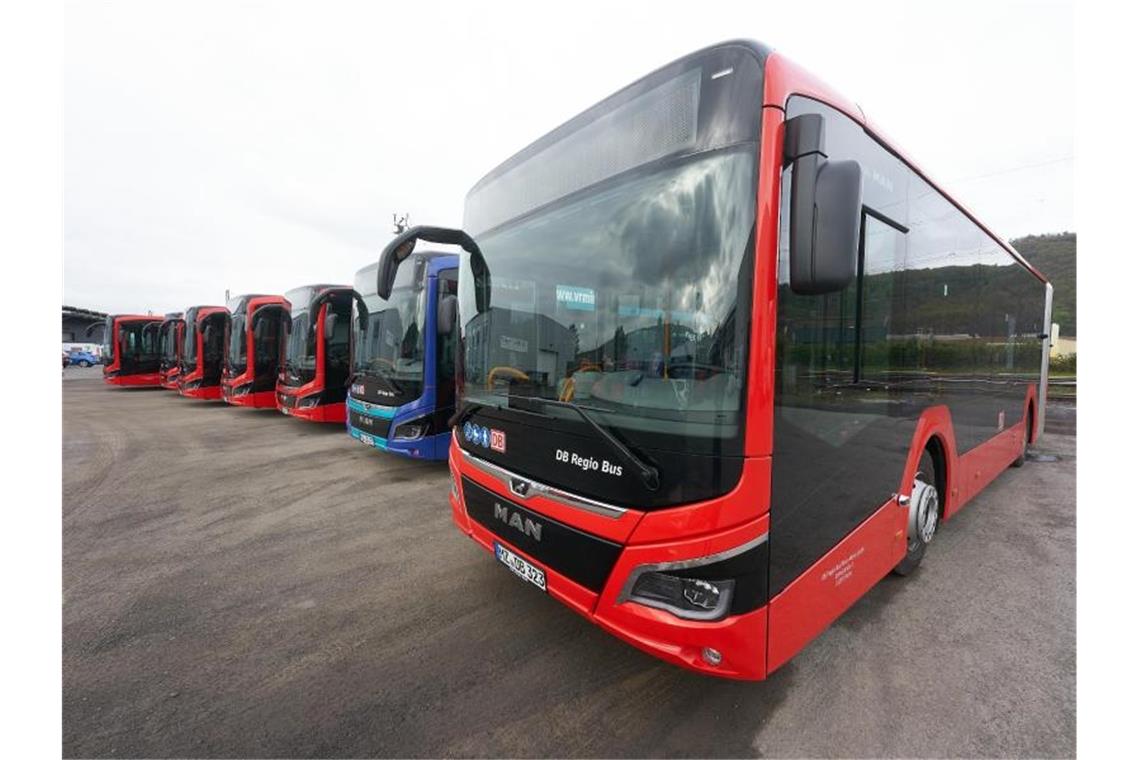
402	386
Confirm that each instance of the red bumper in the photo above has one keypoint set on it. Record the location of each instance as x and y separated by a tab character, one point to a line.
148	380
741	640
208	393
287	403
259	400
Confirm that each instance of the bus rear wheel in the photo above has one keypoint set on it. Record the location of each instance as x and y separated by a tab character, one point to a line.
922	519
1024	441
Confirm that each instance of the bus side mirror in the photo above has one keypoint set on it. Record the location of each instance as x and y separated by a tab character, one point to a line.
826	211
330	324
401	247
445	315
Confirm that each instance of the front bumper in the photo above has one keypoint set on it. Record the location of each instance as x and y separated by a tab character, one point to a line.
238	393
288	403
739	640
432	447
202	393
146	380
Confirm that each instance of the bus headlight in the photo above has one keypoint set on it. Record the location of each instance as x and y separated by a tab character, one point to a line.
308	402
412	431
731	582
242	390
691	598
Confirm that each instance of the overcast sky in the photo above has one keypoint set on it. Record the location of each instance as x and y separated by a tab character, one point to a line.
259	147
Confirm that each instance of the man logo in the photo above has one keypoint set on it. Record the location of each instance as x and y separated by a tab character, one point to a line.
520	487
527	526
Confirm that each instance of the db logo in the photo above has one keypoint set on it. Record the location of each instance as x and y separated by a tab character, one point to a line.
499	441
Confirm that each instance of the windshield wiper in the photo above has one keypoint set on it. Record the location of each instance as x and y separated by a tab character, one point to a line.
650	476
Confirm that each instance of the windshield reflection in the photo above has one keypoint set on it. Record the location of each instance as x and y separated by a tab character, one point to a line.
626	299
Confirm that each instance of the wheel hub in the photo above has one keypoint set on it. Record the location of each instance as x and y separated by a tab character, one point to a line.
923	518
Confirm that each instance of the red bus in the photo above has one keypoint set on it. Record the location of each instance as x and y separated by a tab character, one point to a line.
170	335
130	353
253	350
728	359
203	345
312	383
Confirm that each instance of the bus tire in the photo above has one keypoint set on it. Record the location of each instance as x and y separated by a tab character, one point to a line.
1024	441
922	519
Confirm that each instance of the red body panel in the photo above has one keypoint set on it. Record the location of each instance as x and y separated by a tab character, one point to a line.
260	400
146	380
320	413
810	603
170	379
209	393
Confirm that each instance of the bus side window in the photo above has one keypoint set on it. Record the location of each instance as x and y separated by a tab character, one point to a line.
881	262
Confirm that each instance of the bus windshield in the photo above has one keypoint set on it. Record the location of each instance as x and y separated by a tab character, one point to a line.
170	341
301	350
236	350
190	339
630	300
109	339
391	345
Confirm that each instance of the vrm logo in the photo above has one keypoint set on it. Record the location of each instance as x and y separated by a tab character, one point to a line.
358	389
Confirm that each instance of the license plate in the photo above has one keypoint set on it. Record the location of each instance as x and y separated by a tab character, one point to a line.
520	566
367	439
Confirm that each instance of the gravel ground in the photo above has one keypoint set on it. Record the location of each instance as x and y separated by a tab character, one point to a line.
238	583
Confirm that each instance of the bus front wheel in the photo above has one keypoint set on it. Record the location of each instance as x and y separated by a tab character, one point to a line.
922	519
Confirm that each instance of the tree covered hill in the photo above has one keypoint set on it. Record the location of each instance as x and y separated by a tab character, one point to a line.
1056	257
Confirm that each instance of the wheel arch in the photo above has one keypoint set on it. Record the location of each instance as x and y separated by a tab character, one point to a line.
934	431
1030	412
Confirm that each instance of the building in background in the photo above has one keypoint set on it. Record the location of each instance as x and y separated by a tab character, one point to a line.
75	325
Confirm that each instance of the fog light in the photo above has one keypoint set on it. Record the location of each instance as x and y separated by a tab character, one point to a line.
412	431
692	598
308	402
711	656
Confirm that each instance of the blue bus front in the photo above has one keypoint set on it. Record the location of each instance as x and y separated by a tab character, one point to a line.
402	390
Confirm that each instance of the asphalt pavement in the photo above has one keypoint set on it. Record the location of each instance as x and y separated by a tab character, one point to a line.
237	583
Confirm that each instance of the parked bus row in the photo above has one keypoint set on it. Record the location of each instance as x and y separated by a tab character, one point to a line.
724	358
294	353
